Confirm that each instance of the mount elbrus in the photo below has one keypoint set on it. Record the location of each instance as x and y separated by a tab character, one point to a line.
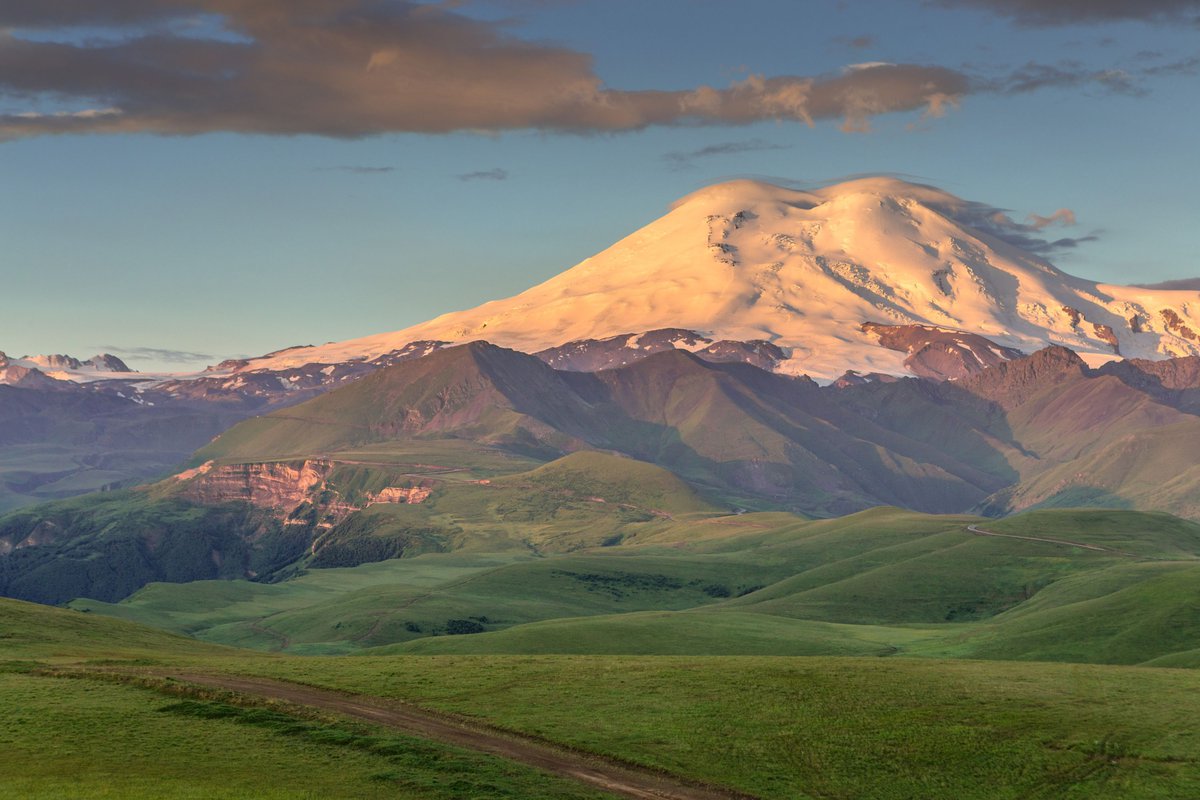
872	276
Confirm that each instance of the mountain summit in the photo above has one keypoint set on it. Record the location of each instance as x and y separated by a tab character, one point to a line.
862	275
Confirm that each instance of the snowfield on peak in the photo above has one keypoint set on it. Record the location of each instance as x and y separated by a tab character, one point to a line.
804	270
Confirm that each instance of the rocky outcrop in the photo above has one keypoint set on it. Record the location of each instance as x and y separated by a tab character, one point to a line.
940	354
399	494
279	486
759	352
296	493
1106	334
853	378
1011	383
591	355
1176	325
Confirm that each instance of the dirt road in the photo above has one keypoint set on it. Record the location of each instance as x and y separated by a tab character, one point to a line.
618	779
978	531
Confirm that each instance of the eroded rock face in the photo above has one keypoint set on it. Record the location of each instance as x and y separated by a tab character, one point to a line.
296	493
940	354
280	486
399	494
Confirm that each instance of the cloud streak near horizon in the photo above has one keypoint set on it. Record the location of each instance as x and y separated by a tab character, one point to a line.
354	68
159	354
1071	12
679	159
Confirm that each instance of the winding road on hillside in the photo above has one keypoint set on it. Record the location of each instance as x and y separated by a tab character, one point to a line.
978	531
619	779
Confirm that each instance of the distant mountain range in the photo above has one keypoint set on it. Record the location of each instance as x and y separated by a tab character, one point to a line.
872	276
872	343
303	483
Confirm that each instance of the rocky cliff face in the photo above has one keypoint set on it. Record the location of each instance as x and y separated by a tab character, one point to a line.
281	487
296	493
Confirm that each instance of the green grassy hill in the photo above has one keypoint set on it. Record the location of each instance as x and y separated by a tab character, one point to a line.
796	727
885	581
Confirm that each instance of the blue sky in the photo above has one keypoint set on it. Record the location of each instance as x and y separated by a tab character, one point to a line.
166	219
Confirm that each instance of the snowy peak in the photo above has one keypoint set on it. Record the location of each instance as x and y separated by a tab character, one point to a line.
57	367
872	276
809	272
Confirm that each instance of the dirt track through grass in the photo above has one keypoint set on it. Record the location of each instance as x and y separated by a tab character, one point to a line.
978	531
619	779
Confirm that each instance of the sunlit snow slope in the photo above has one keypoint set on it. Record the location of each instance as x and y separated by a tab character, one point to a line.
748	260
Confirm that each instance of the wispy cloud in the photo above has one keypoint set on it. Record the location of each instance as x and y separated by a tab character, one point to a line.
1033	77
685	159
1072	12
1028	235
358	170
1064	216
496	174
160	354
1179	284
856	42
353	68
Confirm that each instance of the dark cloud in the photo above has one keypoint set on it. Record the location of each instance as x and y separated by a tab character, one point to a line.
1180	284
1028	235
496	174
1070	12
352	68
352	169
159	354
686	159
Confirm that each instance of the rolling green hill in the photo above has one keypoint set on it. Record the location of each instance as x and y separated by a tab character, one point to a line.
775	727
886	581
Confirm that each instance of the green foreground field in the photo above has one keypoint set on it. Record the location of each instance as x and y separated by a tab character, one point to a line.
882	655
771	727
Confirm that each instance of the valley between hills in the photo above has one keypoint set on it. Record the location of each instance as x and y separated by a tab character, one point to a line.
964	561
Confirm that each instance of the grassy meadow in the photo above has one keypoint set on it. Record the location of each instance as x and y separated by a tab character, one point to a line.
887	654
768	726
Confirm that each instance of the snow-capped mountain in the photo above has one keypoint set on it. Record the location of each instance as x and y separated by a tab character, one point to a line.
869	277
821	275
36	369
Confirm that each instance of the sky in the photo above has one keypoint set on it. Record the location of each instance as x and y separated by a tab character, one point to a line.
183	181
